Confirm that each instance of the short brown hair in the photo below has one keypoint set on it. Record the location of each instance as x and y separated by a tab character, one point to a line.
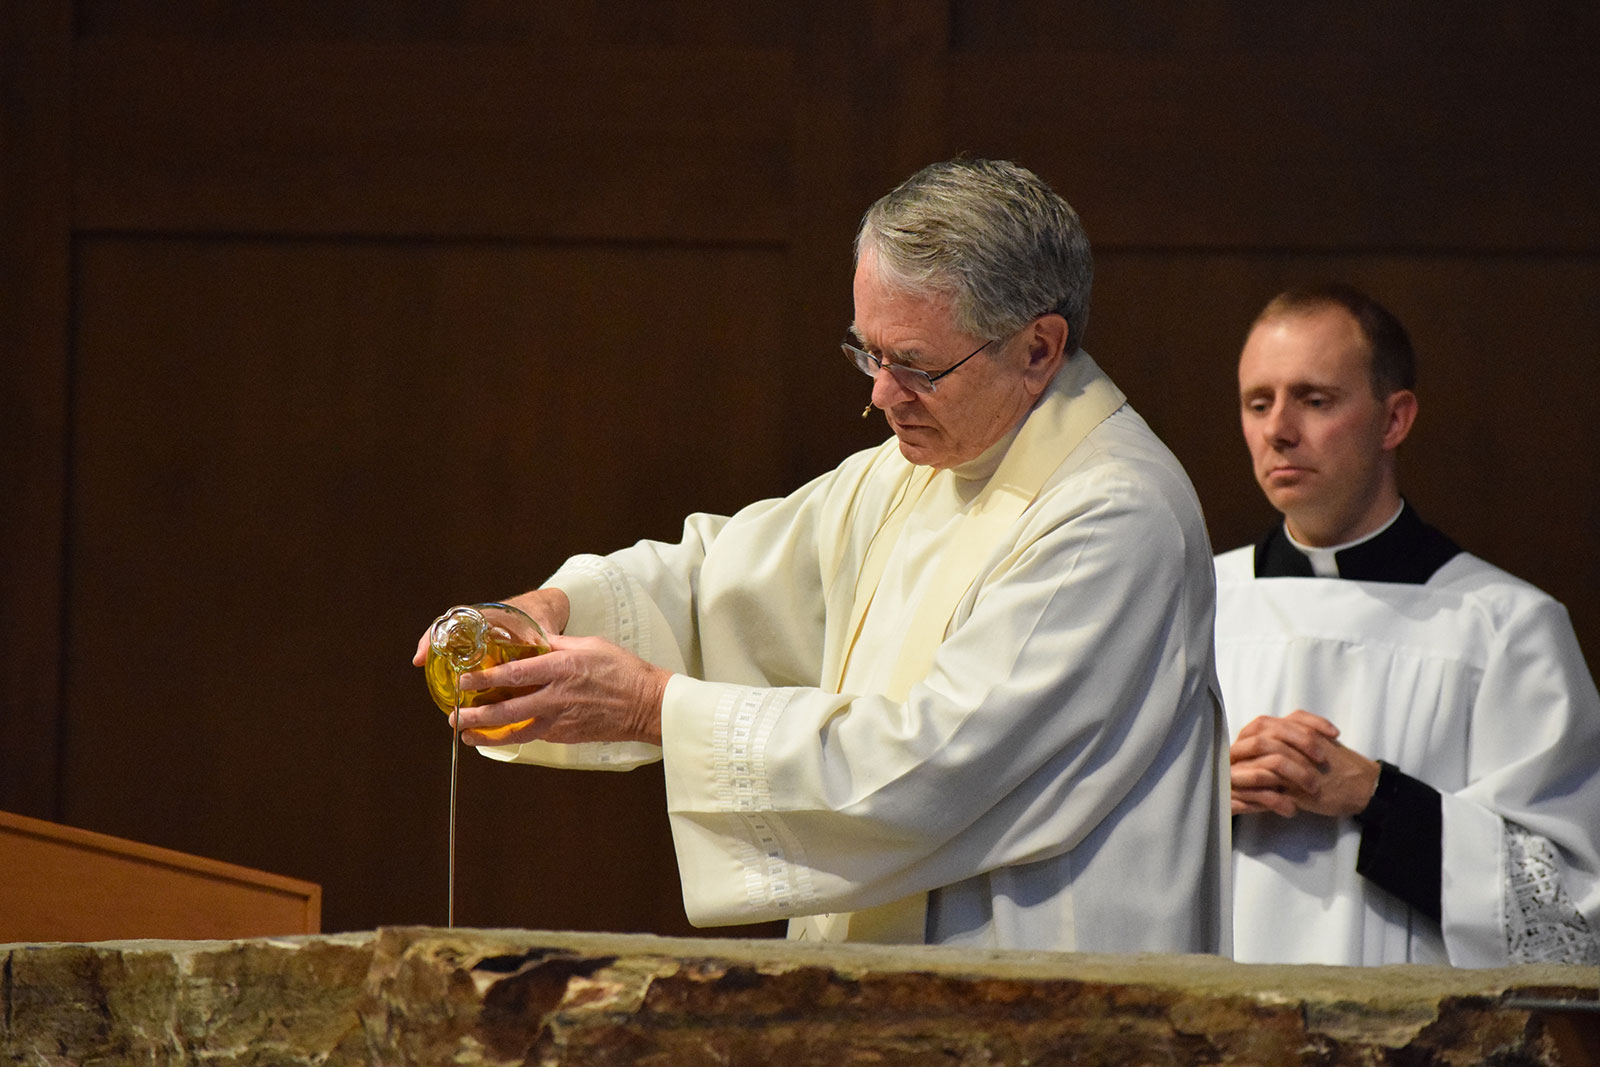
1394	362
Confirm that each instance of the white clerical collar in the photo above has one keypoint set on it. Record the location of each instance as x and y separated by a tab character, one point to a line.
1324	561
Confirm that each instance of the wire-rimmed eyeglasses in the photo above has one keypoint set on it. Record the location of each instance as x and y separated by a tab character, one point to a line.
918	381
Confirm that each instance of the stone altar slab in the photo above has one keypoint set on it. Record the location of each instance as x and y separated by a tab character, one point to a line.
411	995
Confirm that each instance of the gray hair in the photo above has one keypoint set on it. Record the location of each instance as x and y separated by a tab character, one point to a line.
993	237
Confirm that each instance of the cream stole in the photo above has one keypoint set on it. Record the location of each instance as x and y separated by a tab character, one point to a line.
1078	400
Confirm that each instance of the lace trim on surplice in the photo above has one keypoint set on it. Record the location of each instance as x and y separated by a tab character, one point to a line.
1542	925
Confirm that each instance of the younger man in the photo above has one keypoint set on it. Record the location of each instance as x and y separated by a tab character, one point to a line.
1416	733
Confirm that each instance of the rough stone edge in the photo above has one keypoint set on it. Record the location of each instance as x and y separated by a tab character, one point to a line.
591	982
1332	1000
1395	984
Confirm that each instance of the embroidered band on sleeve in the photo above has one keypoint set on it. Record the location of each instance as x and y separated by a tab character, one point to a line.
775	868
622	601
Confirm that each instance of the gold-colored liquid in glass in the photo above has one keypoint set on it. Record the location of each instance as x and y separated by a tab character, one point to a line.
465	639
444	685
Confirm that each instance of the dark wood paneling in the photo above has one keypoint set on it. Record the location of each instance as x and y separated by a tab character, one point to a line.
1312	152
570	24
290	457
1478	30
502	141
35	72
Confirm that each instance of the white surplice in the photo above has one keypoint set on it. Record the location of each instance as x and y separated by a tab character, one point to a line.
1053	780
1472	682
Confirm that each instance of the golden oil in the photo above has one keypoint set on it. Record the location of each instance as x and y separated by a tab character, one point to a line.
475	637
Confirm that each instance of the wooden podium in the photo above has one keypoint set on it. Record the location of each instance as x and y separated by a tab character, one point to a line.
62	884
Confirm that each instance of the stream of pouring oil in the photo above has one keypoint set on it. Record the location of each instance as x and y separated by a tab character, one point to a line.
455	758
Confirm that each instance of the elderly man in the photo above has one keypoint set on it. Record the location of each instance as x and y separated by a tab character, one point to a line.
1414	772
959	690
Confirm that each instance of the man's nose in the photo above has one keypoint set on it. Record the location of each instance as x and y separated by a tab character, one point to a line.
887	390
1279	425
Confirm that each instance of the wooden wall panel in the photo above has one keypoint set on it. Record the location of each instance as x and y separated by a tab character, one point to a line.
1277	151
495	140
1479	30
570	24
290	457
35	318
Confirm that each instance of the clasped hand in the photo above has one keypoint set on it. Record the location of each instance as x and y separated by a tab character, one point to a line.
1295	763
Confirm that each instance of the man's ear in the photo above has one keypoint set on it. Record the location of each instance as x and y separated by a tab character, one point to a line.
1400	410
1048	346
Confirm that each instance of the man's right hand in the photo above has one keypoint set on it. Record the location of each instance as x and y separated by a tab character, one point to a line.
550	608
1295	763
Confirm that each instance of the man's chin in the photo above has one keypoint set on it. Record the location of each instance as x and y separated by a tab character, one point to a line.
1282	488
918	448
1289	499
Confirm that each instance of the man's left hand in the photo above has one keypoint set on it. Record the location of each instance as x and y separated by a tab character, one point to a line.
1295	763
583	689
